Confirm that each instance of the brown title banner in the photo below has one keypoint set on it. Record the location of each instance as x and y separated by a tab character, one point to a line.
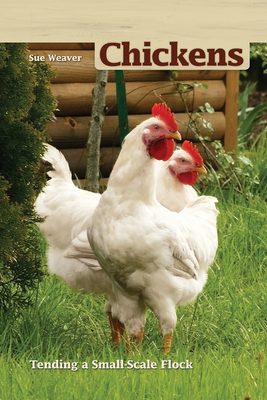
167	55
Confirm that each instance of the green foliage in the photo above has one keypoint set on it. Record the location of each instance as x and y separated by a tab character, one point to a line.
258	64
227	171
257	155
249	118
196	118
251	121
26	105
243	101
244	173
259	49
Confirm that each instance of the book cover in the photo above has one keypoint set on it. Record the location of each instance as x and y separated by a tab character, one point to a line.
188	56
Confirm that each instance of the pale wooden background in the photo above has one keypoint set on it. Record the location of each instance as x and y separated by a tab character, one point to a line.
90	21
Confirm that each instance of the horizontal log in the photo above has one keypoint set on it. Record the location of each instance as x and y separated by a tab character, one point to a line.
217	121
61	46
161	75
76	98
77	159
72	132
84	71
81	183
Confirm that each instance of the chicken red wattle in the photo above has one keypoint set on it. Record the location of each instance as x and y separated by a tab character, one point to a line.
162	149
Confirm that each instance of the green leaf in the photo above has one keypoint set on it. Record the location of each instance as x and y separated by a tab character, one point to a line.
207	124
245	160
246	127
229	158
209	109
198	84
243	101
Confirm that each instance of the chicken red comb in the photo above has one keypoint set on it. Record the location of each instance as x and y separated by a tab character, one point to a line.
164	113
192	150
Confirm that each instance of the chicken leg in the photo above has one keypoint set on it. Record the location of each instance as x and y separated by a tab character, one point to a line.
167	342
136	339
117	328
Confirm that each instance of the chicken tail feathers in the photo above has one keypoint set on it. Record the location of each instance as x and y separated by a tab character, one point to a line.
56	164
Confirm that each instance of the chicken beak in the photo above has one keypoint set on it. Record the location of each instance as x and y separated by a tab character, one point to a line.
201	170
175	135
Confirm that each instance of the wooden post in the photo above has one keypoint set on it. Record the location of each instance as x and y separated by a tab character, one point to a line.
231	110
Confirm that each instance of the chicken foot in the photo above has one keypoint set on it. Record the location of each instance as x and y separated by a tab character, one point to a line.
135	339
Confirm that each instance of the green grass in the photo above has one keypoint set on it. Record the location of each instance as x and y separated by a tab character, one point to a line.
223	334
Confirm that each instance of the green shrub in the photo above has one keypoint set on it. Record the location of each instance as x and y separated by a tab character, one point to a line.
26	105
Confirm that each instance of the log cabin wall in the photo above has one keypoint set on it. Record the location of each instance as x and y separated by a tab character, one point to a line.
73	87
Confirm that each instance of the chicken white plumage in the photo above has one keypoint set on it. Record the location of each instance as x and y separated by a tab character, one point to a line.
66	210
152	255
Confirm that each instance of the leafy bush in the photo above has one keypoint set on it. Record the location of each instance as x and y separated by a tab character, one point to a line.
259	49
26	105
237	173
249	118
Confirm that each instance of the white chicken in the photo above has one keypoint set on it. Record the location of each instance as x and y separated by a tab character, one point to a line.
176	176
66	210
152	255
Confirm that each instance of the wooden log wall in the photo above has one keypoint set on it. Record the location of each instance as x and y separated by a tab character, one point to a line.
73	88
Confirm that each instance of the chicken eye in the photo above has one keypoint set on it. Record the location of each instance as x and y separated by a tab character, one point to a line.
156	127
